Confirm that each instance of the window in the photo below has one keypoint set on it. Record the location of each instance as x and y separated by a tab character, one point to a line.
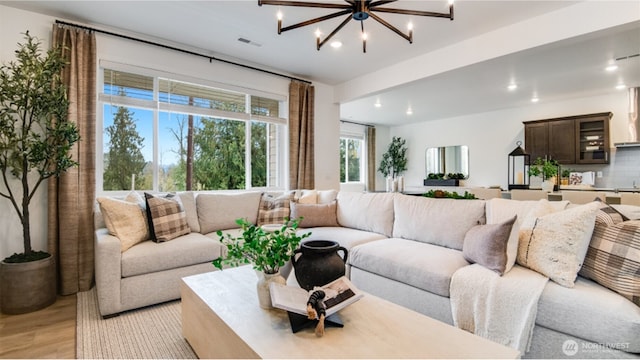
164	134
351	160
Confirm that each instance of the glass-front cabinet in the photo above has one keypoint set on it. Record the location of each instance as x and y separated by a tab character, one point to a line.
592	145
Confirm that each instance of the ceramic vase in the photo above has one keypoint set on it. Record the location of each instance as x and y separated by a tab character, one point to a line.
318	262
548	184
264	281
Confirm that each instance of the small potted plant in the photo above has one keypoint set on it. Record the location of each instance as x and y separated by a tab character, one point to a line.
548	169
267	251
35	144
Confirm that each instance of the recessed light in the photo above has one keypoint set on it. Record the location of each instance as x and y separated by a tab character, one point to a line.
621	86
377	104
512	86
535	99
612	67
409	111
336	44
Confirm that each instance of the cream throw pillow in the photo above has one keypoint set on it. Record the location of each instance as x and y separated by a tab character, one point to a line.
557	243
125	220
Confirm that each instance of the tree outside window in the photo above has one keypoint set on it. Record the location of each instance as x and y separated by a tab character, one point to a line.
351	160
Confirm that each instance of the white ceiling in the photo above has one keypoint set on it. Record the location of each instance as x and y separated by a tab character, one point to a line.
556	71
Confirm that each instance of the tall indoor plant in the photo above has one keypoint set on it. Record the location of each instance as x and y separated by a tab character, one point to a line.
35	144
394	162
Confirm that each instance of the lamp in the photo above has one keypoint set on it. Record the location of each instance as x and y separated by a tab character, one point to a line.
518	168
359	10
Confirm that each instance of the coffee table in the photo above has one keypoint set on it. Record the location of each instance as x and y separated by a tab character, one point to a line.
221	319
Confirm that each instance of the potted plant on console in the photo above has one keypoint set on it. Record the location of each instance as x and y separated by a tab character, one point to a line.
265	248
394	163
549	171
35	144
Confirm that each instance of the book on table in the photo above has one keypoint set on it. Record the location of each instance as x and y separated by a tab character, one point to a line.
339	294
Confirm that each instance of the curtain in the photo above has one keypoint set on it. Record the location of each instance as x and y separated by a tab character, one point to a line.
71	196
371	158
301	136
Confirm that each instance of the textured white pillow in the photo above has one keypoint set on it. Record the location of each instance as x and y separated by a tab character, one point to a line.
307	197
125	220
557	243
188	200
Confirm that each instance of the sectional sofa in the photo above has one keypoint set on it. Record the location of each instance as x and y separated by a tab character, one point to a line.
401	248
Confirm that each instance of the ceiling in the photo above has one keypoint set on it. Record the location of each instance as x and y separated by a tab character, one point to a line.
556	71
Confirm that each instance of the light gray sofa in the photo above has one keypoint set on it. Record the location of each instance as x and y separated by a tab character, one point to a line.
401	248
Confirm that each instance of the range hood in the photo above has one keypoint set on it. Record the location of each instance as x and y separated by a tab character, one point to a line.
633	126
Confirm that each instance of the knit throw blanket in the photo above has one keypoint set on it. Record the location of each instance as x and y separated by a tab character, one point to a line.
501	309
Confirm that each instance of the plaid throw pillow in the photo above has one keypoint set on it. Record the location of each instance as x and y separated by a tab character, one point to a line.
613	258
273	209
166	216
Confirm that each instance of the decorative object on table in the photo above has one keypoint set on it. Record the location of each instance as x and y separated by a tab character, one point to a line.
565	175
548	169
317	310
441	194
440	179
35	143
266	250
575	178
518	165
394	163
318	263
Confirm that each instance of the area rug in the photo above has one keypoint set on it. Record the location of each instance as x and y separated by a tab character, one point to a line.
153	332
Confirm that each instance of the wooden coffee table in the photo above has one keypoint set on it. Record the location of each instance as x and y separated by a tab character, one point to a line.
221	319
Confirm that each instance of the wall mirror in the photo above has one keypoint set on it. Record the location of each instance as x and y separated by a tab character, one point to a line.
448	159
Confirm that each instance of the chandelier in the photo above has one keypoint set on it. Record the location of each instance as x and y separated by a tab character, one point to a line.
358	10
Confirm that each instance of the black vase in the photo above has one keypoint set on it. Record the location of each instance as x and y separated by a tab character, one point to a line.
318	263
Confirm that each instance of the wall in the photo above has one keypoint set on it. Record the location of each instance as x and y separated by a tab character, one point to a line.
14	22
492	135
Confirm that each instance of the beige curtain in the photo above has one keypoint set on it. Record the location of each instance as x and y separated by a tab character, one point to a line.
71	196
301	136
371	158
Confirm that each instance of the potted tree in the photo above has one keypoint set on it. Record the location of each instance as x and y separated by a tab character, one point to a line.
394	163
548	169
35	144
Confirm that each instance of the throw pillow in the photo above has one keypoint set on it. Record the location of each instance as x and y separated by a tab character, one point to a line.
189	203
315	215
273	210
487	245
124	220
608	215
557	243
613	257
306	197
167	218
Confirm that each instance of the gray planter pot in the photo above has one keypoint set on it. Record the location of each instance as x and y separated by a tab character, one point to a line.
27	287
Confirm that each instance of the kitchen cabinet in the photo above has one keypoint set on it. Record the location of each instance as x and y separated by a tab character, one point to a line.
581	139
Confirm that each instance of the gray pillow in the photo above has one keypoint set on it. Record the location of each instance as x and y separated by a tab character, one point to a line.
315	215
487	245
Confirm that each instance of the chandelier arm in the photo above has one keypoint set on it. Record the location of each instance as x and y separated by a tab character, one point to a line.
380	2
414	12
335	31
304	4
391	27
352	2
316	20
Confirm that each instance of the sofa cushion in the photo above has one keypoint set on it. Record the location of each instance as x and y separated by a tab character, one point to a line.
274	209
220	211
613	258
315	215
366	211
441	222
558	243
346	237
326	196
486	245
125	220
499	210
148	257
166	216
424	266
189	203
591	312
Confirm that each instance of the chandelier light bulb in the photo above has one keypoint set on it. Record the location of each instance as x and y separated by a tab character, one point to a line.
279	15
450	2
410	26
364	36
318	33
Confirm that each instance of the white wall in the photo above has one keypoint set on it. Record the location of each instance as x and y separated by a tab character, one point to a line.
13	22
492	136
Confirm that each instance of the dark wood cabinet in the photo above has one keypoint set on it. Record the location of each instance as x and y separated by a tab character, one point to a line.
581	139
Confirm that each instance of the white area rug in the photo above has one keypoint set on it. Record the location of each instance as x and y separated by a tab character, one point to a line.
154	332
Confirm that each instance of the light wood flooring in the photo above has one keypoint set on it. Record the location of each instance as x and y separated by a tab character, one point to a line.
47	333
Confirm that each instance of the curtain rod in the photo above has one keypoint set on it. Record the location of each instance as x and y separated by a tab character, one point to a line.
355	123
211	58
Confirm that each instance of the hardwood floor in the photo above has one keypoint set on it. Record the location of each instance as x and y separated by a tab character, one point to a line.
47	333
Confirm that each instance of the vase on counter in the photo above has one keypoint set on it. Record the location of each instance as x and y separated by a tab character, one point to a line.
548	184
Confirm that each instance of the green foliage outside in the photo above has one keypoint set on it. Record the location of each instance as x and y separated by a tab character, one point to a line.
266	251
125	153
350	150
35	135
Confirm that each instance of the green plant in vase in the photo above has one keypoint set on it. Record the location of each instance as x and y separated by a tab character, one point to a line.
548	169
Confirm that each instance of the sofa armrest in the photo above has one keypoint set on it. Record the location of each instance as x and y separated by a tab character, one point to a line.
108	267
